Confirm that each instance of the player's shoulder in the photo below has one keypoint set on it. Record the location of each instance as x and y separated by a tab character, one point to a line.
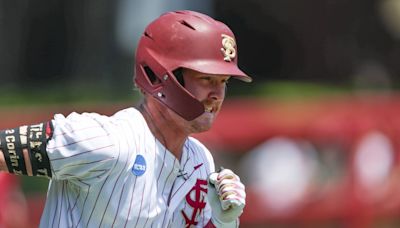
124	114
79	119
131	114
93	121
130	119
197	144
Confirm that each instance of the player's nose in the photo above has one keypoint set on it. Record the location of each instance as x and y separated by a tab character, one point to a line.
217	92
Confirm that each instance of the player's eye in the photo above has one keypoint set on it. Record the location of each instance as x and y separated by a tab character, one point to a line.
206	78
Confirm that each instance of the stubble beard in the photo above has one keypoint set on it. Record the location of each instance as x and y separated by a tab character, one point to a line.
203	123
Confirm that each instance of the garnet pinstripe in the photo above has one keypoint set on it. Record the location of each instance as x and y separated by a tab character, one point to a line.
93	185
149	207
82	153
109	199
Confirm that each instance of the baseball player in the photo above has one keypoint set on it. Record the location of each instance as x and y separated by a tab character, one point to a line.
140	167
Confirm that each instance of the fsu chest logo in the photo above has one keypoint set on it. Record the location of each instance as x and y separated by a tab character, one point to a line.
196	199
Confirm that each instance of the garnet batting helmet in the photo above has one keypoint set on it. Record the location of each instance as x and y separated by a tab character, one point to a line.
184	39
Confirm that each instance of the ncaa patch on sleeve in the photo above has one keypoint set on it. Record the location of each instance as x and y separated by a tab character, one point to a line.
139	167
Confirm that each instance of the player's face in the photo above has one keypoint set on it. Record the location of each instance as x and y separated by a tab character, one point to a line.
210	91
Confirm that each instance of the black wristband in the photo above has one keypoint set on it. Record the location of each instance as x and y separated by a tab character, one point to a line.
13	151
37	141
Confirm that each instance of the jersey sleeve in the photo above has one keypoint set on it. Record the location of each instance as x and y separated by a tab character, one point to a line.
82	147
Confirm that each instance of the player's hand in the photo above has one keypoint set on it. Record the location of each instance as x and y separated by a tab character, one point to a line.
227	197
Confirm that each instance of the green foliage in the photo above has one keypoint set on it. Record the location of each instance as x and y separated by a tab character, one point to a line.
84	94
284	90
296	90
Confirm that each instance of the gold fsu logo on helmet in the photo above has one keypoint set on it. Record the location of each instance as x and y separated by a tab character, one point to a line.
228	47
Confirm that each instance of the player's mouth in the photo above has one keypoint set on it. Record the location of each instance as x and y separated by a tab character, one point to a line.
210	108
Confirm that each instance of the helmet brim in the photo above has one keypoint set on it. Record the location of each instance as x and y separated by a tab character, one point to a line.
218	68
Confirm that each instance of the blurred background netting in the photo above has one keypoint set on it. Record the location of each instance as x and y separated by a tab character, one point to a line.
315	137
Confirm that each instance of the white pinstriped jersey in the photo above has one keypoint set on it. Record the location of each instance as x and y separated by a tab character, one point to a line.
99	181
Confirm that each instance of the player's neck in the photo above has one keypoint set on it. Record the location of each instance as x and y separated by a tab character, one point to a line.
170	134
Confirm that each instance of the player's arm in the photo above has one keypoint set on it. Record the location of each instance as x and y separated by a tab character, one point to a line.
23	150
227	198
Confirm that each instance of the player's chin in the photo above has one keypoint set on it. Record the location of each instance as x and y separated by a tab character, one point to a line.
200	128
203	123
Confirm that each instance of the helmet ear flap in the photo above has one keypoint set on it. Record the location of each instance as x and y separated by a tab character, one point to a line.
151	76
146	79
154	79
